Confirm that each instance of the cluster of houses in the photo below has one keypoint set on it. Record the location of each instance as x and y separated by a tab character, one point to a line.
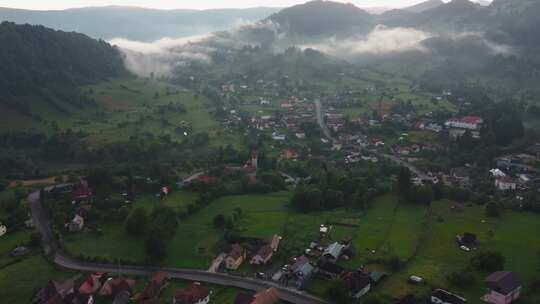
81	198
122	290
235	254
515	172
85	291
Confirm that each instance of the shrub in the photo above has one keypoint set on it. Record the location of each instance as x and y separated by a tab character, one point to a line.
488	261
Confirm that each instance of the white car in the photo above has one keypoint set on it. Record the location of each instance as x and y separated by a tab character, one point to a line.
465	248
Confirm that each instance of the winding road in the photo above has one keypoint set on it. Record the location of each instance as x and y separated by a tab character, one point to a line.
53	251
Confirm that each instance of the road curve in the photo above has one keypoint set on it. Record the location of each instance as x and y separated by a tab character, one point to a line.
42	223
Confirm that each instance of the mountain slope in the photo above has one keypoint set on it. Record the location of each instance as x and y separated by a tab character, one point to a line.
39	62
323	17
454	16
137	23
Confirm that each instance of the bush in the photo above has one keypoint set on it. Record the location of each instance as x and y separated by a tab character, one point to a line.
493	210
137	222
219	221
461	278
395	263
338	292
488	261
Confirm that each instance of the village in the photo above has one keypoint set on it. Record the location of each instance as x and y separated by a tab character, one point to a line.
294	135
354	141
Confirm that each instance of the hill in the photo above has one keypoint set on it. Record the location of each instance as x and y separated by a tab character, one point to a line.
39	62
455	16
424	6
137	23
323	17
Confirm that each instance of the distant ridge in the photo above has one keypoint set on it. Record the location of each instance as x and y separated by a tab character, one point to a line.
137	23
424	6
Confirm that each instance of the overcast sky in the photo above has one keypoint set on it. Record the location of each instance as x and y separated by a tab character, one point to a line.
191	4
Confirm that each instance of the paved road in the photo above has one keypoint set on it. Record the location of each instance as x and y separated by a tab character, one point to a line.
395	159
320	120
403	163
42	223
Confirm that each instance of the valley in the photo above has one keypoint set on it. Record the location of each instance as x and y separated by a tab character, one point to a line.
315	154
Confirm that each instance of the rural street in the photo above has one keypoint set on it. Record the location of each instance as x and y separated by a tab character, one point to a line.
320	120
42	223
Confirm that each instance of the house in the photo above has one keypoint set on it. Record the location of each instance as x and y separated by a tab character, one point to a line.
267	296
330	270
505	183
467	239
467	122
122	297
235	257
440	296
3	230
358	283
243	298
54	292
76	224
504	287
274	242
114	287
301	271
288	154
324	230
91	284
194	294
263	256
82	193
152	291
333	251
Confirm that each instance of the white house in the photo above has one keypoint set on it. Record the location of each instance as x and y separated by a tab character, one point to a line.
467	122
3	230
505	183
76	224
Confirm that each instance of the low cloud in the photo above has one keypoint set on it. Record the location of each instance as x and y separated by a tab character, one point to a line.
381	41
161	57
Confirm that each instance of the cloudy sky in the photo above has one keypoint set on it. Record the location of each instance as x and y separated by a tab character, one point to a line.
199	4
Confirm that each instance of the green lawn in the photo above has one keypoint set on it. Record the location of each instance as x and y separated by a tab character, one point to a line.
22	275
19	280
515	236
114	243
194	244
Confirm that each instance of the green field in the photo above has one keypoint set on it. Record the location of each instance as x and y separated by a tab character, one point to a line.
194	244
515	236
424	241
127	107
133	102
